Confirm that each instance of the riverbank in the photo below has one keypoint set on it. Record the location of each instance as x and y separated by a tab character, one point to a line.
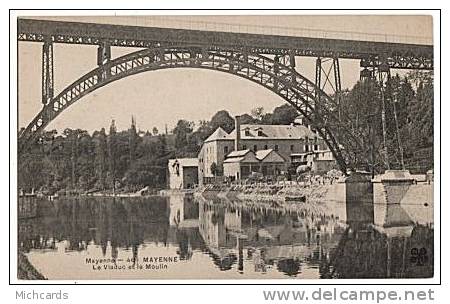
418	193
294	192
26	271
146	191
280	192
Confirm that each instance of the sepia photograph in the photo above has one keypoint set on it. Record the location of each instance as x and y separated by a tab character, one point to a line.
225	147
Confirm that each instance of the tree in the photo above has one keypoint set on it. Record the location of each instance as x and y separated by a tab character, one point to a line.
85	161
161	145
247	119
362	107
73	139
408	117
132	142
204	130
181	131
284	115
101	156
257	113
112	155
213	168
222	119
216	170
420	122
266	119
155	131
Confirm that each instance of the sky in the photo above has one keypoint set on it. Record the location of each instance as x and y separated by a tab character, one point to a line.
163	97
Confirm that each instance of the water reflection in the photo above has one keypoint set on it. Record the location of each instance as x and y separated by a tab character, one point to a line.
239	240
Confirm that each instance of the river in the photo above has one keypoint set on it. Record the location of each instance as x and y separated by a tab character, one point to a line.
182	237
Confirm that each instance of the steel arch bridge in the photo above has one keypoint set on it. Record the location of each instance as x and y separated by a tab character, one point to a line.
275	76
242	55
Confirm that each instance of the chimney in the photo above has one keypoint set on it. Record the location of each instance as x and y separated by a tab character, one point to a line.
237	129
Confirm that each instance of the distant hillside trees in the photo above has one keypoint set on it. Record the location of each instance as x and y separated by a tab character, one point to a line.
77	161
409	119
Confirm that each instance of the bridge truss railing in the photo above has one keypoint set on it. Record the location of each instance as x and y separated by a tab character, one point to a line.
191	24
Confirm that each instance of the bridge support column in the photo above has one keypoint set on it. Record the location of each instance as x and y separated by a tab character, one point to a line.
276	68
384	74
318	78
329	68
103	57
318	83
47	72
292	65
337	84
333	84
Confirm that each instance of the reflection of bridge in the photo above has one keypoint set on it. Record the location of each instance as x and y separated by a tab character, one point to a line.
268	60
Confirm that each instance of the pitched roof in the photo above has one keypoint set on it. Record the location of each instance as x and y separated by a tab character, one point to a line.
234	160
273	132
261	154
217	135
247	156
238	153
269	155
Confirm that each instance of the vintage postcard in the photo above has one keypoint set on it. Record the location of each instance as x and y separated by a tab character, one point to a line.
225	147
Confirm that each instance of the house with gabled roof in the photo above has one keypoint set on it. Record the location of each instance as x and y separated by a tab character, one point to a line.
240	164
292	143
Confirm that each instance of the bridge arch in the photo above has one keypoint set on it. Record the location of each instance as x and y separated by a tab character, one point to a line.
315	105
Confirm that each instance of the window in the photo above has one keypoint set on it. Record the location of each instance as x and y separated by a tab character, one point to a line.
276	148
244	147
265	147
255	148
306	148
316	147
225	149
260	133
247	132
292	147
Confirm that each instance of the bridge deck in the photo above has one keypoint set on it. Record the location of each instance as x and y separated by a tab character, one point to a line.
400	55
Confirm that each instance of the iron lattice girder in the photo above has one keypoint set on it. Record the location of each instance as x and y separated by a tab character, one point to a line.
400	55
407	61
281	79
332	72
